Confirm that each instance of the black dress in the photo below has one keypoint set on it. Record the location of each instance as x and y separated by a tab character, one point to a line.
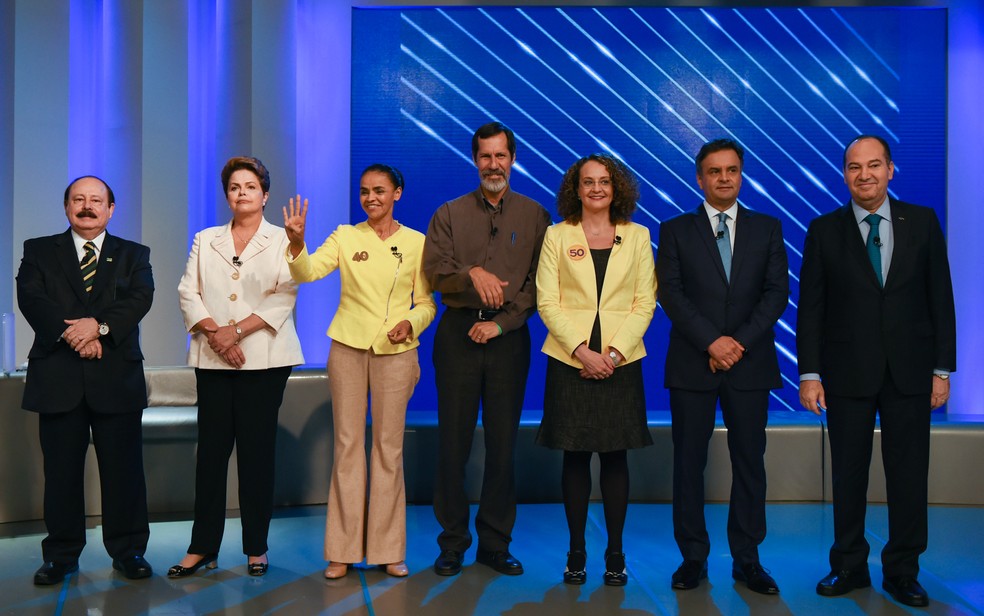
594	415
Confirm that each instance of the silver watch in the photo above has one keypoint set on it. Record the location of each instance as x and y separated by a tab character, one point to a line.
103	329
614	357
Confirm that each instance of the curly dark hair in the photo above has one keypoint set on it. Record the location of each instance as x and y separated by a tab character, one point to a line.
625	190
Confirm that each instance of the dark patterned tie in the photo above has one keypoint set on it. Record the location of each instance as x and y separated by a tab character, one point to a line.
88	266
724	243
873	244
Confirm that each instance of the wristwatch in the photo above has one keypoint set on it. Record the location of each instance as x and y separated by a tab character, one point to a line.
614	357
239	334
103	329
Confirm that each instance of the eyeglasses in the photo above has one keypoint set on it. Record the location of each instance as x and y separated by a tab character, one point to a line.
590	183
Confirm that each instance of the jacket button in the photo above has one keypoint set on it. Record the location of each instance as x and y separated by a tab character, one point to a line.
235	275
232	297
232	321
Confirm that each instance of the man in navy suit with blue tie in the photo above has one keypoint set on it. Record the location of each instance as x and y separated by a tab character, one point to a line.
876	334
84	292
723	283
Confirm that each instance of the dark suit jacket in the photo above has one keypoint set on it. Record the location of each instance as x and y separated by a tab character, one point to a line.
702	305
49	290
849	329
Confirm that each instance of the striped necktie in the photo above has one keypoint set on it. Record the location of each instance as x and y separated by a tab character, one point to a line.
88	266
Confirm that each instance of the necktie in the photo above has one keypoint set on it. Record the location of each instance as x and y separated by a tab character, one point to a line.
724	243
873	244
88	266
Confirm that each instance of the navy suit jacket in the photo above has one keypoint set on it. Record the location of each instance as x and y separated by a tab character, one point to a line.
49	290
849	330
702	305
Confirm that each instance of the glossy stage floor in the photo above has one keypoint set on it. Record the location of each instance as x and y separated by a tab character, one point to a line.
795	551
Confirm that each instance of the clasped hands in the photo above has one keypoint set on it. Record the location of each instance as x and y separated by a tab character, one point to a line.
83	336
597	365
224	341
401	333
724	353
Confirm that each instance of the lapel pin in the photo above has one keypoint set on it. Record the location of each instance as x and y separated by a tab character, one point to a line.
109	259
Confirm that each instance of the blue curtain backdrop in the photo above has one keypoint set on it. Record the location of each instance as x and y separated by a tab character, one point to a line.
650	85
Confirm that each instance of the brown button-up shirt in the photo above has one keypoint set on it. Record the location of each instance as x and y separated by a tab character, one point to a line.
504	240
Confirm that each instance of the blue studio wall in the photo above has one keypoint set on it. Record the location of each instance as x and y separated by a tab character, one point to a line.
650	85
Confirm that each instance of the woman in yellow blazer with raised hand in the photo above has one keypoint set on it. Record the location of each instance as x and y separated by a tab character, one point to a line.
385	303
596	293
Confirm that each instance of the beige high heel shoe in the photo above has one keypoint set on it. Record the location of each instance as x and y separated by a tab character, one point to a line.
397	569
336	570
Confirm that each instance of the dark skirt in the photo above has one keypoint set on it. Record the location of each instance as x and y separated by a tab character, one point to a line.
588	415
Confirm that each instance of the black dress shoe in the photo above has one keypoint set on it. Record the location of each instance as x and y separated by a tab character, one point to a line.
756	578
906	590
53	573
502	561
574	573
615	569
448	563
257	569
689	574
134	567
209	561
842	582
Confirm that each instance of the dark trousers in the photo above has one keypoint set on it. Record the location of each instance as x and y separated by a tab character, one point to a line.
493	374
236	407
745	416
905	454
118	441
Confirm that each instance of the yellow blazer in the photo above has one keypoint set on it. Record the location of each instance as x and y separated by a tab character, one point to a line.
378	289
567	297
212	286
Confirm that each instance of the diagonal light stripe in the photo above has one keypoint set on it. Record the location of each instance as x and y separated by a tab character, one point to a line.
832	75
888	101
874	53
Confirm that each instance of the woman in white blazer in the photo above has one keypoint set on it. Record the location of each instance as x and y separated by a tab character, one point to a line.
237	298
596	293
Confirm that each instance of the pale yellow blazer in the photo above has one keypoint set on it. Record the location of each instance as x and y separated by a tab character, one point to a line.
567	297
212	286
378	289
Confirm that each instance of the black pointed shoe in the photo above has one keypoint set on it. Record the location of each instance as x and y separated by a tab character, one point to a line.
209	561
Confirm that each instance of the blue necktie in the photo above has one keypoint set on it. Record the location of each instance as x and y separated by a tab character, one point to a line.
873	244
724	243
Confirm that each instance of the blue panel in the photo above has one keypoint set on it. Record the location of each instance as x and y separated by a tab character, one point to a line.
651	85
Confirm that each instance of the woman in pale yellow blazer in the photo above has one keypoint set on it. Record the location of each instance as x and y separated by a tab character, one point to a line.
237	298
596	293
385	303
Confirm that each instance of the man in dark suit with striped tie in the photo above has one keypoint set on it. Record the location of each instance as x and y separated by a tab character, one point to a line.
84	293
876	323
723	283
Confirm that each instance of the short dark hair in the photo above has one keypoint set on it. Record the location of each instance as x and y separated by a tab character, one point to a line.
392	172
888	150
249	163
716	146
109	191
625	190
491	130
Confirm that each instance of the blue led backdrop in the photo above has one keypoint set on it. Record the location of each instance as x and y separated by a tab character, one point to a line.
650	85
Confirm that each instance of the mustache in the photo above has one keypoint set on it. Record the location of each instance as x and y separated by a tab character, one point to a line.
493	172
86	214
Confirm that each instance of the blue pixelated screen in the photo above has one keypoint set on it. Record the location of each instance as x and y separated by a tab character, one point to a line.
650	85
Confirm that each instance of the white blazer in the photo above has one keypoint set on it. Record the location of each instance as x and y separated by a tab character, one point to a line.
212	286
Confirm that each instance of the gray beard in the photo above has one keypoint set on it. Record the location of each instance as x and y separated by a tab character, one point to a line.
494	184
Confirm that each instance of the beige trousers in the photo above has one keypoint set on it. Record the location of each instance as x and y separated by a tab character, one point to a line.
368	524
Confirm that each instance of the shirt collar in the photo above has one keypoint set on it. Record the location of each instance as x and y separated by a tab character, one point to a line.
712	213
884	210
80	242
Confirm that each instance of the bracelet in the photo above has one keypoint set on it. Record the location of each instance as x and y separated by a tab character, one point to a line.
499	326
